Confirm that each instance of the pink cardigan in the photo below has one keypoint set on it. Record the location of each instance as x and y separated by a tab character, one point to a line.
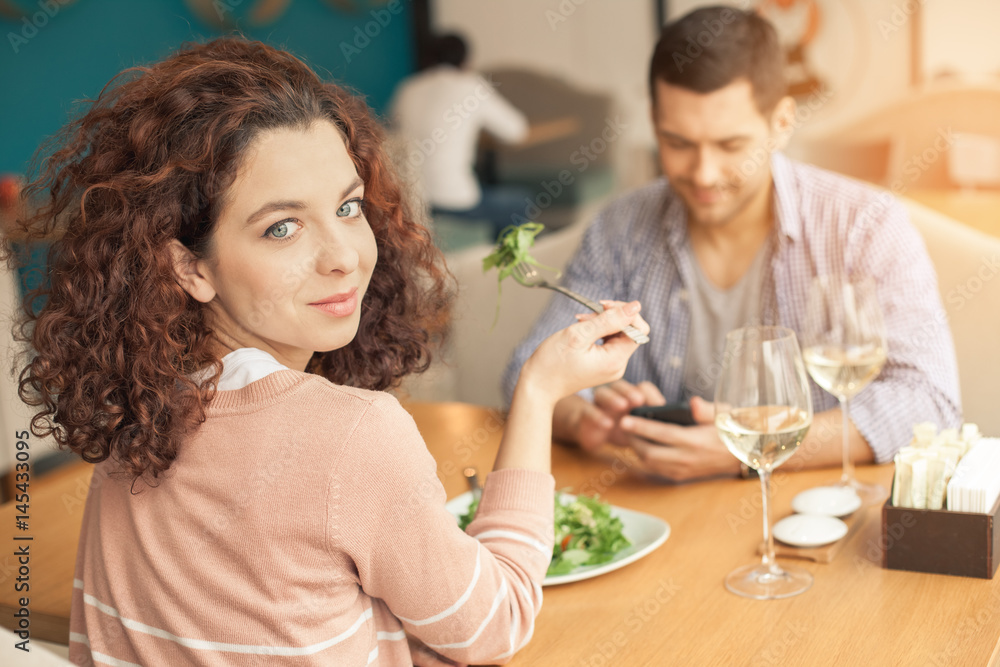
304	524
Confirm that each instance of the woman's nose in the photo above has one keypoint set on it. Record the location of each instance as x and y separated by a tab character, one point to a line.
336	253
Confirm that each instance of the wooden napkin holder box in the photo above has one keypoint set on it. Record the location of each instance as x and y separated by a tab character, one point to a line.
941	542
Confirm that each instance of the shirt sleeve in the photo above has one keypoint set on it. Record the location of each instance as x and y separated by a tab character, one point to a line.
591	272
471	597
919	381
500	118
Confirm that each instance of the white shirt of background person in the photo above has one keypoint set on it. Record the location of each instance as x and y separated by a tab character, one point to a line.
439	114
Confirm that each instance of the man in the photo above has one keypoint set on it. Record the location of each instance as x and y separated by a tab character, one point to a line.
733	234
439	114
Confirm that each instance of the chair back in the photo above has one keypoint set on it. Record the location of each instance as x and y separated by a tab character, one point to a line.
14	414
968	270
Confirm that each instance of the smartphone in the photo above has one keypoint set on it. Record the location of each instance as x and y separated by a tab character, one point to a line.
673	413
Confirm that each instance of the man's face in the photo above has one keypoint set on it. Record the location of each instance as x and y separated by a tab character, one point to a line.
715	147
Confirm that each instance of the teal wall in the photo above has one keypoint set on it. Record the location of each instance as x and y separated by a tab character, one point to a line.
73	53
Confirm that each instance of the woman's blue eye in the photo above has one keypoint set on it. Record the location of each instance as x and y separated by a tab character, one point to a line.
350	209
282	230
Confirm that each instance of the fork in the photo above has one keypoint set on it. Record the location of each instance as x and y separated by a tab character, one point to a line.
528	276
472	477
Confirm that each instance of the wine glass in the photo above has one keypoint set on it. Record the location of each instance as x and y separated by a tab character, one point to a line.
763	409
844	350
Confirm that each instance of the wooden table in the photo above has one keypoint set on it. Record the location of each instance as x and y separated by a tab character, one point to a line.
669	608
56	512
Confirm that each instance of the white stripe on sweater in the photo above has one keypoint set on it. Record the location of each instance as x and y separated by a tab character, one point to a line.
205	645
461	600
108	660
80	638
517	537
515	625
534	610
501	594
537	588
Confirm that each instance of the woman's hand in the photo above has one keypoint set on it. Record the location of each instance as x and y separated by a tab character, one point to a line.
571	360
565	362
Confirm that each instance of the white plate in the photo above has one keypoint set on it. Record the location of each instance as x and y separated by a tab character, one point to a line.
645	532
809	530
827	500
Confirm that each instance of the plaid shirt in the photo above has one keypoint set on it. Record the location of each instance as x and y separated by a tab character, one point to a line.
825	224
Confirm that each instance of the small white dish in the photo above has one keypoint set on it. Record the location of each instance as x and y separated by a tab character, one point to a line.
644	531
827	500
809	530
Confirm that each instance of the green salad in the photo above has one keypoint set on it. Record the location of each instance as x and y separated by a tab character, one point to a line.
586	533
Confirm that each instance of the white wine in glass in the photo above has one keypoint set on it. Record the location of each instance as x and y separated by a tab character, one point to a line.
844	370
763	436
763	409
845	349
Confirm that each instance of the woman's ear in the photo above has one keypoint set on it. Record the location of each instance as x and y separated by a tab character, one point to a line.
187	270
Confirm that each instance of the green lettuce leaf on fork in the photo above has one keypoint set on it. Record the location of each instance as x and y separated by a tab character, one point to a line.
512	248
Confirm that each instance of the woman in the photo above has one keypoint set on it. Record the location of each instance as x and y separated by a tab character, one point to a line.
236	280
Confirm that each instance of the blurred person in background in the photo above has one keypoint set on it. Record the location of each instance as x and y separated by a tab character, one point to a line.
439	114
732	235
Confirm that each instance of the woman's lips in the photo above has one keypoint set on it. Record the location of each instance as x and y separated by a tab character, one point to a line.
338	305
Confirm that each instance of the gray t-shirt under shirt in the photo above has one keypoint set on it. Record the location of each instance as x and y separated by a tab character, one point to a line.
714	313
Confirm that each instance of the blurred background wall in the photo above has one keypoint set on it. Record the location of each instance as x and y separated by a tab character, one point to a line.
877	81
877	67
53	52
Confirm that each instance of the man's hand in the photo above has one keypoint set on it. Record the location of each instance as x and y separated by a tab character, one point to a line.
591	425
680	453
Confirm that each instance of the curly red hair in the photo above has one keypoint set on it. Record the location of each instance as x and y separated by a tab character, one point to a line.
150	161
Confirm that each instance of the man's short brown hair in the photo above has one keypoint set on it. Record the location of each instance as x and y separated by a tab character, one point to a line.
709	48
